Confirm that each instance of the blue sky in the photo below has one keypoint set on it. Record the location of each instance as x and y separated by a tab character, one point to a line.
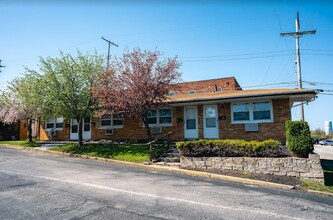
213	39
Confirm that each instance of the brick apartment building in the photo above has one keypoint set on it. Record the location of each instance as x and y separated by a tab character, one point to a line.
207	109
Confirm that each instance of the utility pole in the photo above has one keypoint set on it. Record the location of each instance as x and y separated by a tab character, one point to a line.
109	42
1	66
297	35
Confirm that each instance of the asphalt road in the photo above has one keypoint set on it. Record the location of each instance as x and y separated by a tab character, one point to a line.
36	185
325	152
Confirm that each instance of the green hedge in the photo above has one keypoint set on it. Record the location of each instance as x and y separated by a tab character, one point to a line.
230	148
299	138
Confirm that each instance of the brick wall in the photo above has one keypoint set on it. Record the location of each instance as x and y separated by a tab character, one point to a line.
60	135
134	130
226	84
301	168
275	130
23	130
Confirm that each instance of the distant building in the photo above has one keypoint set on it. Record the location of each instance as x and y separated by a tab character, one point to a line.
328	127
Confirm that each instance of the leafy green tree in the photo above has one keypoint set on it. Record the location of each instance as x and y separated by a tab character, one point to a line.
22	100
67	86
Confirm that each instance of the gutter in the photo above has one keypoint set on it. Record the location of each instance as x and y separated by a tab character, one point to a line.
272	95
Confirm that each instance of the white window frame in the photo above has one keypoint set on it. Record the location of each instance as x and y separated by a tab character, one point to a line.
55	121
158	124
191	91
251	107
112	118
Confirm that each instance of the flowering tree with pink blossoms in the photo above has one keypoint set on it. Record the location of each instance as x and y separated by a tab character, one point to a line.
22	100
137	83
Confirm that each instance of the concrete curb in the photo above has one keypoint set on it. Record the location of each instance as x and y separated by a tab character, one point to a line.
172	169
320	192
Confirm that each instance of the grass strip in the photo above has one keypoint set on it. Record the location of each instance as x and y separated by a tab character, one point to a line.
123	152
20	143
316	186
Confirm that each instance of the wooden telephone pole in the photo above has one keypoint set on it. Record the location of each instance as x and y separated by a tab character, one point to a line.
297	35
1	66
109	42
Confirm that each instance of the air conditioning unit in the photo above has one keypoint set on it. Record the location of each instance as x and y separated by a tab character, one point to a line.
51	133
156	130
251	127
109	131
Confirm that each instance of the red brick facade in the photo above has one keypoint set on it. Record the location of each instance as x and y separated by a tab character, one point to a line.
226	84
134	130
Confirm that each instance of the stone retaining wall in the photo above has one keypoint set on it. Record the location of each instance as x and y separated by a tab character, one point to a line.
301	168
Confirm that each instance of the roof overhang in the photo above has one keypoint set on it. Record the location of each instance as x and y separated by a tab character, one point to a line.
294	95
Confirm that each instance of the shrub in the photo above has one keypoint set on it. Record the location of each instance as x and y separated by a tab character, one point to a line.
230	148
299	138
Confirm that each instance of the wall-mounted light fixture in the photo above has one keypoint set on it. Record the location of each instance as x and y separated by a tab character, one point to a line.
179	120
223	116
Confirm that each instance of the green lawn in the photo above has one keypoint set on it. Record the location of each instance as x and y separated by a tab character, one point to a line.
20	143
124	152
316	186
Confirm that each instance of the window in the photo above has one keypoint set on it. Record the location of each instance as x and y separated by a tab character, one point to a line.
54	124
241	112
165	116
106	121
171	93
111	121
261	111
162	117
152	117
252	112
191	92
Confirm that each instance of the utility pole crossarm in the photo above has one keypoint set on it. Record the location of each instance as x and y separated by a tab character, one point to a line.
109	42
1	66
296	34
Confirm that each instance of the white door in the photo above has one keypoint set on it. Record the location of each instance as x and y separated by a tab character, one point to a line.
210	121
191	122
86	129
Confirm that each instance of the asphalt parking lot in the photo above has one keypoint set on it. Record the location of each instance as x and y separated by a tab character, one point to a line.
35	185
325	152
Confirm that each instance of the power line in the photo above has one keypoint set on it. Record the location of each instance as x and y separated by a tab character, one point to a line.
325	93
297	35
241	54
318	50
319	83
237	58
270	84
285	42
319	54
